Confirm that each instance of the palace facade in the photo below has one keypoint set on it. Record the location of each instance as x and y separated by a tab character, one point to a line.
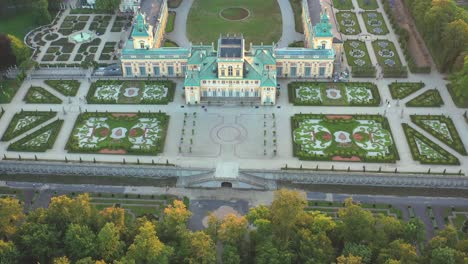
231	71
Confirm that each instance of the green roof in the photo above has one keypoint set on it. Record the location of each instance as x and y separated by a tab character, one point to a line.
323	29
140	28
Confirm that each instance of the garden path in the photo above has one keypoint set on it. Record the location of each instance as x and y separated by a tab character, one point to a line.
289	34
179	34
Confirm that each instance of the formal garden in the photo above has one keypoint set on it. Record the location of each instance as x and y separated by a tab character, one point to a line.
131	92
39	95
388	59
430	98
65	87
253	17
375	23
40	140
25	121
358	58
87	51
364	138
121	23
59	51
348	23
334	94
425	151
442	128
8	89
332	208
401	90
119	133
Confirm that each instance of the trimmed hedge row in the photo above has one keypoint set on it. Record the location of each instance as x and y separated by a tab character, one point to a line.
55	126
73	146
455	143
44	116
403	38
400	90
411	133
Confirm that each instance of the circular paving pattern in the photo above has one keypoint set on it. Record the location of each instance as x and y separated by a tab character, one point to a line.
228	134
234	13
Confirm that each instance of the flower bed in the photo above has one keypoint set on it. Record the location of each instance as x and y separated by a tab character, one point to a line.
388	58
131	92
358	59
65	87
425	151
24	121
40	140
364	138
348	23
368	4
132	133
39	95
333	94
375	23
430	98
442	128
400	90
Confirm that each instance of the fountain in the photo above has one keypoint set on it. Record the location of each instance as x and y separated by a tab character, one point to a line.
82	37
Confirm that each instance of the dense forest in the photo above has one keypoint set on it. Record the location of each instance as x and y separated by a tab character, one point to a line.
71	230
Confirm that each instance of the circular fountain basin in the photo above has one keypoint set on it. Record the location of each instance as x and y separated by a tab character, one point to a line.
82	36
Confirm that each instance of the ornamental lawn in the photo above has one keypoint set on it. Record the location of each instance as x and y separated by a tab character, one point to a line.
119	133
131	92
263	25
375	23
348	23
333	94
365	138
358	58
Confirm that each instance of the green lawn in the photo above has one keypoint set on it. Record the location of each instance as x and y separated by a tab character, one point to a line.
265	17
343	4
368	4
170	22
297	9
17	25
8	89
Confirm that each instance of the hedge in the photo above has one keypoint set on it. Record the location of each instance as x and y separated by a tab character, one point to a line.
55	126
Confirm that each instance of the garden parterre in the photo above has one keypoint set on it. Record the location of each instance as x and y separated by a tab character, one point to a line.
358	58
40	140
131	92
441	127
119	133
375	24
343	138
65	87
39	95
345	94
388	58
430	98
400	90
348	23
426	151
24	121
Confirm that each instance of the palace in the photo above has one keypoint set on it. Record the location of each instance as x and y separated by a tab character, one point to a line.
231	71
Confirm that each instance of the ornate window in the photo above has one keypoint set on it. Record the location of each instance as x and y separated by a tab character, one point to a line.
230	71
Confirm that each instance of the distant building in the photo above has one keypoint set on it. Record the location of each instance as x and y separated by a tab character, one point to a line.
232	71
129	6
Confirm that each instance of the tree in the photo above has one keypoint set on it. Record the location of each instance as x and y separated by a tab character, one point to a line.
202	249
109	245
398	250
114	215
230	255
443	255
107	5
38	242
147	248
176	217
285	210
79	242
61	260
63	211
357	222
459	81
11	213
21	52
455	39
8	252
414	231
7	58
349	260
358	250
233	229
41	13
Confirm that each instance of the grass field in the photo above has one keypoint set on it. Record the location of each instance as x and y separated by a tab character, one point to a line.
17	25
265	17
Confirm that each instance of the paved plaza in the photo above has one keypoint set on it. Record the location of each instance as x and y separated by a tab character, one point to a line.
247	135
